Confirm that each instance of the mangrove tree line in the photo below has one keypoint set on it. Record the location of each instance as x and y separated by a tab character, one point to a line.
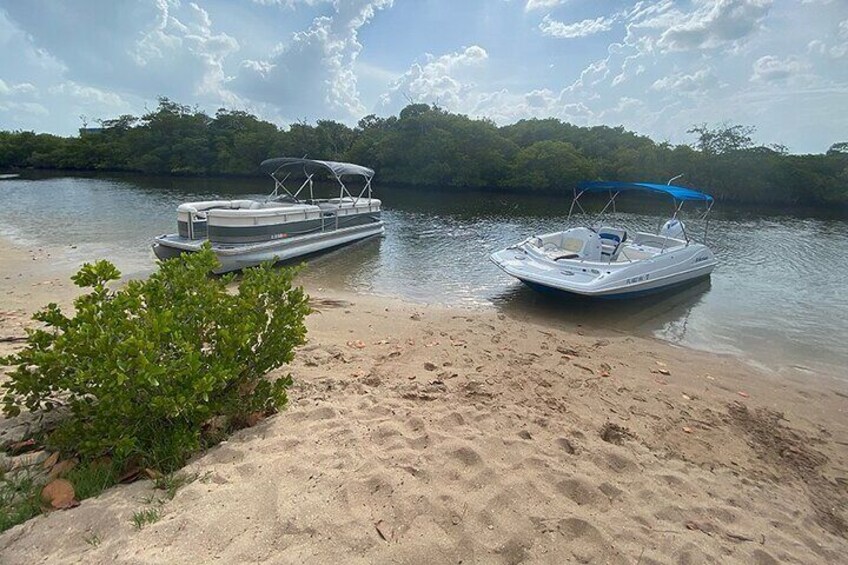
429	147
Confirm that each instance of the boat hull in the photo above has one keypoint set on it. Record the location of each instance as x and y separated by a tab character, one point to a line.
237	257
634	294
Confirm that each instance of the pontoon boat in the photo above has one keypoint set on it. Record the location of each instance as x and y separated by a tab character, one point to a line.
244	233
598	260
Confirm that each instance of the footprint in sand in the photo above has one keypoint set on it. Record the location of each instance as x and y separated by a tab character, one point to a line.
615	462
566	445
467	456
452	420
582	492
587	543
323	413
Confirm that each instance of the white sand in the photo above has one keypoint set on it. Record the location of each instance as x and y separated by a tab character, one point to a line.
458	436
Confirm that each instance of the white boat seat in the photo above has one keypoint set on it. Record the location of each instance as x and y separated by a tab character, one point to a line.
570	249
576	243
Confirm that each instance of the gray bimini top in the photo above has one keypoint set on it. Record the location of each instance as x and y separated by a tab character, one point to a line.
311	166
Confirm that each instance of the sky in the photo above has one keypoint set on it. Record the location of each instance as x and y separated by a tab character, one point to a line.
656	67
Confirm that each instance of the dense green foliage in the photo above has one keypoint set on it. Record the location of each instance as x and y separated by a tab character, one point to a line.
160	367
427	146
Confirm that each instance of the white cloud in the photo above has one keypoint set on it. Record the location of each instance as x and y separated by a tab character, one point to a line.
583	28
834	47
313	74
31	108
655	66
162	47
88	94
505	107
20	88
437	79
542	4
771	68
697	82
291	4
715	23
174	39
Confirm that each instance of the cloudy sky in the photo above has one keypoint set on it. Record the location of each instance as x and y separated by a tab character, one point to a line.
653	66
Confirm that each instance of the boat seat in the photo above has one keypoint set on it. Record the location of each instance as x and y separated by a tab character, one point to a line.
576	243
611	240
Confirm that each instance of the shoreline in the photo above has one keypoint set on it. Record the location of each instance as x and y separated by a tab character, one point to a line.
31	261
427	433
815	210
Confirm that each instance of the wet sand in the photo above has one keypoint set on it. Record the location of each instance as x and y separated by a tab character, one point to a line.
432	435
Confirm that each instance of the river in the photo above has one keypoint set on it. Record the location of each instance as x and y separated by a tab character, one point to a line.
779	297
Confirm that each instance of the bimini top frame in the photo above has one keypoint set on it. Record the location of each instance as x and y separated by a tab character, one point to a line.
310	167
680	194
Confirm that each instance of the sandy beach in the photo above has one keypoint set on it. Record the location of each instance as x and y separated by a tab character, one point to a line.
425	434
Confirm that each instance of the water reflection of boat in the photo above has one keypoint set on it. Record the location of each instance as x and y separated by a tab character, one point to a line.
609	261
664	314
244	233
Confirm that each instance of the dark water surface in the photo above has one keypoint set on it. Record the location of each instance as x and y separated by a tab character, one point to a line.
779	297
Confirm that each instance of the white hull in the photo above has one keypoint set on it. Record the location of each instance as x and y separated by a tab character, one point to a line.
671	267
237	257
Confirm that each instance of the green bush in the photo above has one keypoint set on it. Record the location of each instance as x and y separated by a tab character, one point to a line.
148	369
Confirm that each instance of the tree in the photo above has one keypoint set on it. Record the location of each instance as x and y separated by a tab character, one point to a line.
548	165
723	139
426	145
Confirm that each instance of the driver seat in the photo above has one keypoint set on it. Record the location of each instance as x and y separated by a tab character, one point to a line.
611	240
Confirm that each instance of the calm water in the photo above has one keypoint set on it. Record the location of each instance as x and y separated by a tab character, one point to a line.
779	297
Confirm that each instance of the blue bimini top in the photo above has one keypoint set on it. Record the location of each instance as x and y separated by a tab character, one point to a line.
676	192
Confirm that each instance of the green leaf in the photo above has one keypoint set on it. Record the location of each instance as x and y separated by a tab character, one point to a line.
144	368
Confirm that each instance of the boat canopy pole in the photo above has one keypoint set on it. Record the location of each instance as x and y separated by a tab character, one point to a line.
343	189
364	188
706	218
278	184
677	210
576	201
338	170
682	225
610	202
306	182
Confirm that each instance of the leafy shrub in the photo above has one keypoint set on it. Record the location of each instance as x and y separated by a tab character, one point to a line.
145	369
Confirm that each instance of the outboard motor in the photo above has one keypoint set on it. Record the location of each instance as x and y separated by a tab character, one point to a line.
673	228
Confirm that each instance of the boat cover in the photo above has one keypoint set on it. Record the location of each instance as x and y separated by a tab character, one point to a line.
312	166
676	192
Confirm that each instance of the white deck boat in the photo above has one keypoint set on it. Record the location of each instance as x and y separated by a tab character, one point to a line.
609	261
245	233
